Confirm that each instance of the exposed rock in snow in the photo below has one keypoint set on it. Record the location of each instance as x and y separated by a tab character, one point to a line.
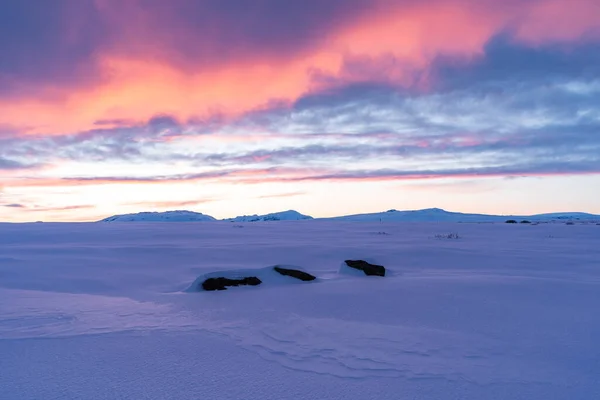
222	283
295	273
367	268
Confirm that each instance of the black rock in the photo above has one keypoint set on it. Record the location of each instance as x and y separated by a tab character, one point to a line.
294	273
368	269
222	283
511	221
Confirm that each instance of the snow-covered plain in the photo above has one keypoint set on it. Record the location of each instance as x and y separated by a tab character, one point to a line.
104	311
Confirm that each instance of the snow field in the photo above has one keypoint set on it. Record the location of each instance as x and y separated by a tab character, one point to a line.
505	311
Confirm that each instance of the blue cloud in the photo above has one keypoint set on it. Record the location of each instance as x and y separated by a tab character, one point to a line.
506	62
44	41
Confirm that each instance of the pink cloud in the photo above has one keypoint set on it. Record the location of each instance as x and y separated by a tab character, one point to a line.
140	77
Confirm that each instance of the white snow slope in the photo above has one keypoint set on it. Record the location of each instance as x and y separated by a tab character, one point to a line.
104	311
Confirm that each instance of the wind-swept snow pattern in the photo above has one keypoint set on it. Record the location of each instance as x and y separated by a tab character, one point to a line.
104	311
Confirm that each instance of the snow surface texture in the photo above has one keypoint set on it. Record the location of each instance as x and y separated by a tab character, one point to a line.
104	311
427	215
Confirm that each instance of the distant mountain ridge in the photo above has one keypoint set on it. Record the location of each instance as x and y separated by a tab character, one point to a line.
191	216
290	215
440	215
425	215
167	216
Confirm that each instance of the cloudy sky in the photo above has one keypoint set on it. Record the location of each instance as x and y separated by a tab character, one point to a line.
233	107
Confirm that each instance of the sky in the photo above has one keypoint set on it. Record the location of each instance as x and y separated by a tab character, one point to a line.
232	107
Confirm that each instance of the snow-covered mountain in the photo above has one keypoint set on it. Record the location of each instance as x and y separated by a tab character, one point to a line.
167	216
190	216
439	215
290	215
566	216
426	215
430	214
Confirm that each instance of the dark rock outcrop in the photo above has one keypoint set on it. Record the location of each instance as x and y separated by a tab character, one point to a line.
367	268
294	273
223	283
511	221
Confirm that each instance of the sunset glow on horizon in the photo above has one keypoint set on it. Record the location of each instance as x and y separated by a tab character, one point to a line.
240	106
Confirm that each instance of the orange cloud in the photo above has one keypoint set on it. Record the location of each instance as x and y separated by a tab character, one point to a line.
216	177
295	176
387	44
